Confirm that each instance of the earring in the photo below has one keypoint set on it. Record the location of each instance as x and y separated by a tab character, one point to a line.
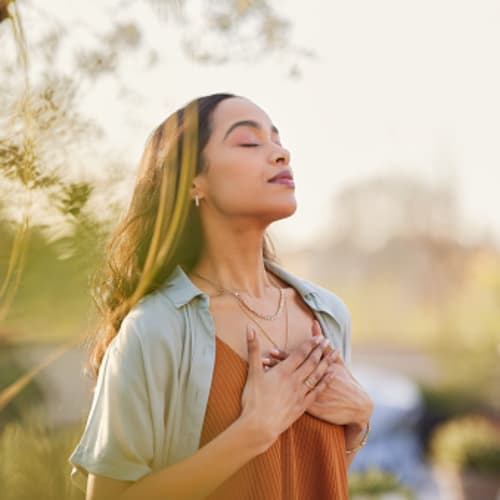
196	200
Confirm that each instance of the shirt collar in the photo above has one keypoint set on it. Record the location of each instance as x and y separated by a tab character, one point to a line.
181	290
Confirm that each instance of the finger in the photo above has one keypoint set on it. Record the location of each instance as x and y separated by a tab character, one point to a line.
311	396
301	353
328	350
332	356
321	370
311	364
253	347
331	373
339	360
269	362
278	354
316	328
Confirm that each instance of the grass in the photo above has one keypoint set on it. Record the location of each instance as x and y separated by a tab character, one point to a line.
377	484
34	461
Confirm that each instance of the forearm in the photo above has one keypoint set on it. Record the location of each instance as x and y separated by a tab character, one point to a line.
356	432
200	474
352	438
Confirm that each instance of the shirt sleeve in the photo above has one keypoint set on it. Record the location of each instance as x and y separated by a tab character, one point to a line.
346	339
117	441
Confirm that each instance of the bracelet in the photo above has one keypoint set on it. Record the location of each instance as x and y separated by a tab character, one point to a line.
362	442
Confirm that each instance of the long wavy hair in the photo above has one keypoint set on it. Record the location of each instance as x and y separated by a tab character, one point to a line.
161	228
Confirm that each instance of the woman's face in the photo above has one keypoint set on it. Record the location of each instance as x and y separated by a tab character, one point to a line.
243	153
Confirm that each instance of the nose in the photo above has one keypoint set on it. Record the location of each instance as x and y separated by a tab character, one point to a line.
281	156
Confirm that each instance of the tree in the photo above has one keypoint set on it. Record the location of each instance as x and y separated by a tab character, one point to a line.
44	135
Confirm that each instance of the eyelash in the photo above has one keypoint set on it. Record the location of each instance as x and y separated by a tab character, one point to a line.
248	145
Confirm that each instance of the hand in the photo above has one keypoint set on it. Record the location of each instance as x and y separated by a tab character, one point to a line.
277	355
273	400
344	402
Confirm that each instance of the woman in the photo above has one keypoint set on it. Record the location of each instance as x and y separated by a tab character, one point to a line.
191	400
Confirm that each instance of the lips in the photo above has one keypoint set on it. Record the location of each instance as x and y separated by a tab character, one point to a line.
283	175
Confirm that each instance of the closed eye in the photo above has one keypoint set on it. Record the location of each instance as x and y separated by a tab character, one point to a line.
248	145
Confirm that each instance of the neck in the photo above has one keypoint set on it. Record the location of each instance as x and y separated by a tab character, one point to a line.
232	258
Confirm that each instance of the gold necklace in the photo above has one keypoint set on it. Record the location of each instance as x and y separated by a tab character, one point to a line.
266	334
268	317
282	295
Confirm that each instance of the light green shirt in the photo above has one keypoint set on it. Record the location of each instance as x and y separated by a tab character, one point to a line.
152	390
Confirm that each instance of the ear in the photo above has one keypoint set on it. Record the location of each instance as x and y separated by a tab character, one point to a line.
197	187
195	191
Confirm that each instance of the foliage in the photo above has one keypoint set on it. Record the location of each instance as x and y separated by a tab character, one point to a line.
375	483
39	144
470	442
55	278
45	136
443	402
45	181
449	401
34	461
229	30
10	371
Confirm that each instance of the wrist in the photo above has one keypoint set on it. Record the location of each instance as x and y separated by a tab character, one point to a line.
253	434
356	436
353	429
353	434
364	415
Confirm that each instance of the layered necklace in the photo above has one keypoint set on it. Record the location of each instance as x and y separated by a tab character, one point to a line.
247	309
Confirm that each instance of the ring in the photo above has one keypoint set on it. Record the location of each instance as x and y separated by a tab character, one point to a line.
308	383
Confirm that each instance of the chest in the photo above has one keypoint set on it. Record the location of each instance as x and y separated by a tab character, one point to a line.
290	328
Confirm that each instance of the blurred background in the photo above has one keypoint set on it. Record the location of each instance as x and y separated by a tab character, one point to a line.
391	112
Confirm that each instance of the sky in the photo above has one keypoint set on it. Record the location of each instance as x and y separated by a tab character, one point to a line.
394	85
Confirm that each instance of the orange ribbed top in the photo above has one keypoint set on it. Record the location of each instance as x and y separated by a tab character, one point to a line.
307	461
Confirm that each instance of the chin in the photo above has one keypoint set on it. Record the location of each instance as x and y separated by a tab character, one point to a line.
284	211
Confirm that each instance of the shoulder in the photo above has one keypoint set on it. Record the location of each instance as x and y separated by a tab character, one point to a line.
152	323
325	300
335	308
336	316
332	303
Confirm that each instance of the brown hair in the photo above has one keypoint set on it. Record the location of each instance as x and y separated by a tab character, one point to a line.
161	228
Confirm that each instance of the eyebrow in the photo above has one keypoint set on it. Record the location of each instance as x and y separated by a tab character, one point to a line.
248	123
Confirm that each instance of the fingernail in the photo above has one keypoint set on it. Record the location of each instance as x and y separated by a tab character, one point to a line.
250	333
275	351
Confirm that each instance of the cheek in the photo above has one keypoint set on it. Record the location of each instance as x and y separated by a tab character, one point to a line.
237	176
237	184
235	191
